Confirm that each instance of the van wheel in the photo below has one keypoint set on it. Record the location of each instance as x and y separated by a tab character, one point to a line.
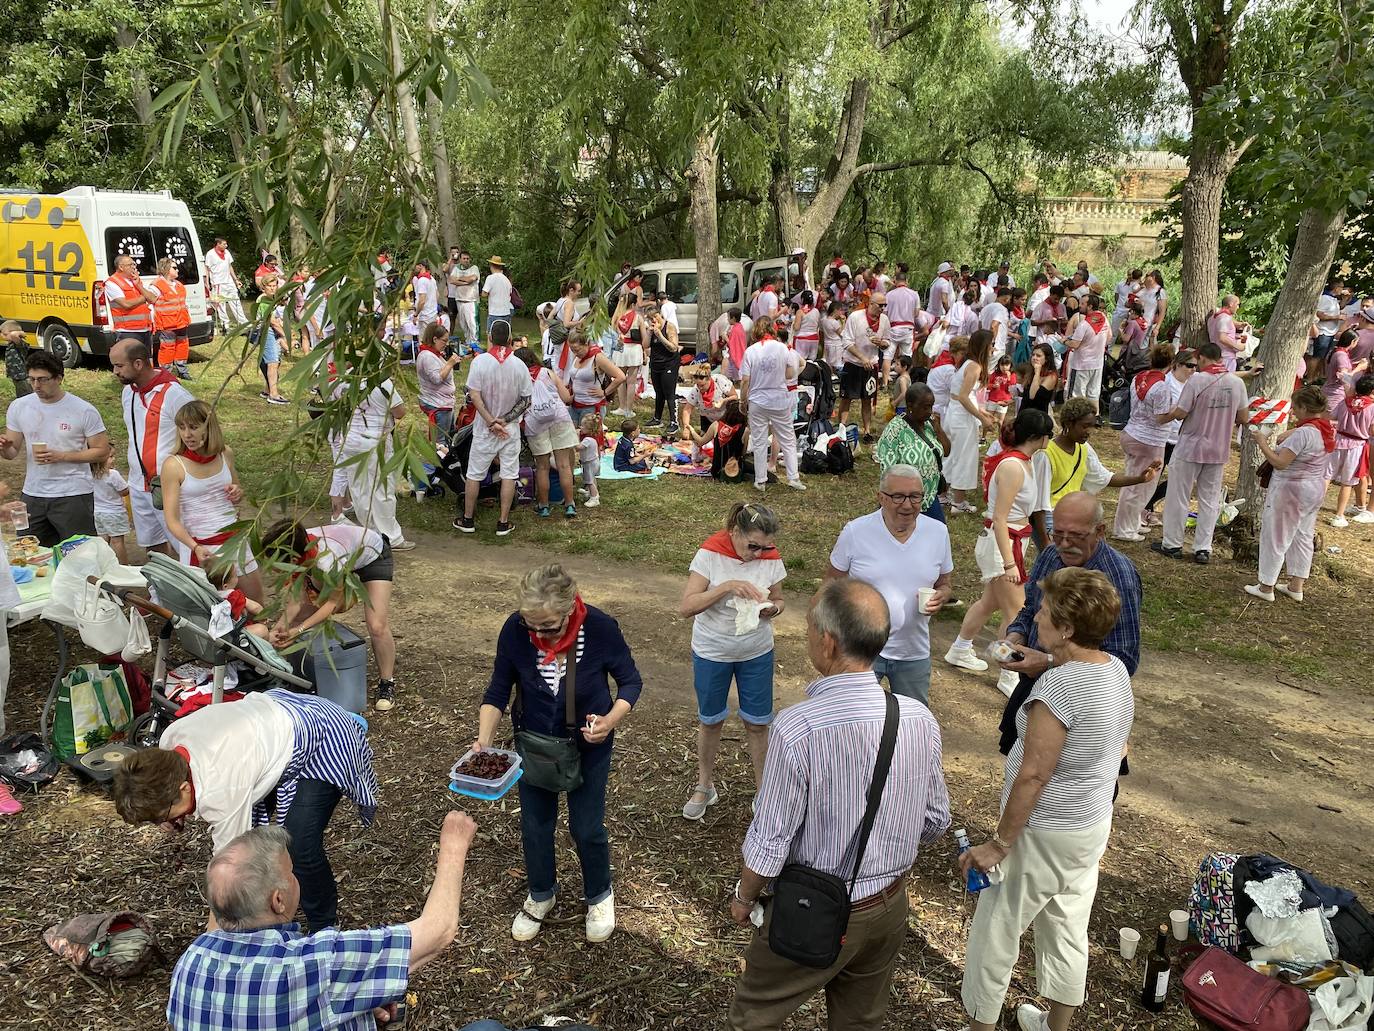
59	342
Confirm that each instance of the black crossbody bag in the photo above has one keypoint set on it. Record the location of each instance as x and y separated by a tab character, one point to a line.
811	907
553	763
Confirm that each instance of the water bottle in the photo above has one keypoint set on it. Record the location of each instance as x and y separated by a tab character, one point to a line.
977	880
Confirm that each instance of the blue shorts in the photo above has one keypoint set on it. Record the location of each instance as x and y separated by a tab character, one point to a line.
271	348
753	686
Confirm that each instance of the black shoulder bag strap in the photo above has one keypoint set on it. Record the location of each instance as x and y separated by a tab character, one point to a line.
569	690
891	723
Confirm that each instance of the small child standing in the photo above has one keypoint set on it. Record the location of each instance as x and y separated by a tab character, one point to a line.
900	384
589	454
111	517
1354	418
628	458
1000	383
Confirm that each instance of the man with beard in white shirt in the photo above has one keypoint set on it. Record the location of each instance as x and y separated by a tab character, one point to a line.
768	366
941	294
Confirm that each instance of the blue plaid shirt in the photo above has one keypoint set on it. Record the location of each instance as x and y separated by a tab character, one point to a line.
1124	640
277	979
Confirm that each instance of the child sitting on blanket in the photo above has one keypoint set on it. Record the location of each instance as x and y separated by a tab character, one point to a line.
630	450
589	454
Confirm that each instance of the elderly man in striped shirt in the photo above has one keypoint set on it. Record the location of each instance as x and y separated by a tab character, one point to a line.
815	785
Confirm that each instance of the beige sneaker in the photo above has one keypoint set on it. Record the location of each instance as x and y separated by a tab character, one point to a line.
530	920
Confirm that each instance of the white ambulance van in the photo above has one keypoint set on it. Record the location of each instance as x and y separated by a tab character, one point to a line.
57	249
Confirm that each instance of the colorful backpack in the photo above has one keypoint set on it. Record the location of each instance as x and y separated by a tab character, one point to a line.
1212	905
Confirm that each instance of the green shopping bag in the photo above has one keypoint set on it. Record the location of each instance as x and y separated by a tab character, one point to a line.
92	708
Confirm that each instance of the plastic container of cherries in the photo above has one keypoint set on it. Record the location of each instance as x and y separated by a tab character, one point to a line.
487	774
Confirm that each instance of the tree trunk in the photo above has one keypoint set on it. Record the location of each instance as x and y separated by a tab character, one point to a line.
410	126
443	179
126	39
1285	337
331	190
1209	165
701	180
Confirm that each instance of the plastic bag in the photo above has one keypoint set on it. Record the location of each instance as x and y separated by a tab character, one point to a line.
1294	939
935	342
139	642
1345	1004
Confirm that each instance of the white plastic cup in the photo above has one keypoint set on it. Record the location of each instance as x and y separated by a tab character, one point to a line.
1179	919
1130	941
39	448
923	599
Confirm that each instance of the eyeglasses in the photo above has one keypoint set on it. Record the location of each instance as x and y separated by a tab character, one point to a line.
1190	365
38	381
903	499
1071	535
700	376
544	631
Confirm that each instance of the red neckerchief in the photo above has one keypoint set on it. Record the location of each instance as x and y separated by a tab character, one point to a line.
196	456
873	323
535	370
721	544
499	353
1145	380
990	466
1020	313
433	350
708	393
1096	320
187	756
770	289
238	601
423	275
944	358
549	653
1139	320
1326	428
1215	369
1359	402
163	376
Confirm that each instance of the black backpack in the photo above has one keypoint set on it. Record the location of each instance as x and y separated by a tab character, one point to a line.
839	459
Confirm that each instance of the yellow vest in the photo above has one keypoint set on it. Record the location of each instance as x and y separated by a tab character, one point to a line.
1068	470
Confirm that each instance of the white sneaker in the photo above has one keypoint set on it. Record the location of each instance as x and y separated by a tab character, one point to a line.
601	919
403	545
964	658
1007	681
1363	516
1340	522
592	502
796	484
530	919
762	488
1258	591
1295	595
1032	1018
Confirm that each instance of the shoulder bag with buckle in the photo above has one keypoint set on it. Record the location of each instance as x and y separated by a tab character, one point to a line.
810	911
550	762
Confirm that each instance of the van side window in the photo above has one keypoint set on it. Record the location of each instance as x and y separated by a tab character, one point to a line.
729	288
135	241
175	242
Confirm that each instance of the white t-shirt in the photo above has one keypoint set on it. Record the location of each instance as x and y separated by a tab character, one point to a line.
1149	300
996	311
713	630
220	271
669	312
902	305
588	450
716	408
502	384
152	427
436	385
766	366
765	304
344	545
941	296
867	551
1157	400
1329	306
497	288
426	297
859	333
1097	477
546	405
1092	347
372	419
465	291
1124	289
67	424
109	491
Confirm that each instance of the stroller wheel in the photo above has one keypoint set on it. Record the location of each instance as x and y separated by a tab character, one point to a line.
146	730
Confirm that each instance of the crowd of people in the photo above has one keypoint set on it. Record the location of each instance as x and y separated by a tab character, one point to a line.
996	395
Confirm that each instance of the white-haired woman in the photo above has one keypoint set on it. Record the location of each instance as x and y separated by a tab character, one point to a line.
551	628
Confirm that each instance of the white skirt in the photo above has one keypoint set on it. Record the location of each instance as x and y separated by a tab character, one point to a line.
964	431
630	356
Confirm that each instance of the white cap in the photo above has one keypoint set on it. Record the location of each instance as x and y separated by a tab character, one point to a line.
944	267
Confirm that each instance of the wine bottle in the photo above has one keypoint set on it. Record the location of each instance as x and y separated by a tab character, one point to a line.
977	880
1156	987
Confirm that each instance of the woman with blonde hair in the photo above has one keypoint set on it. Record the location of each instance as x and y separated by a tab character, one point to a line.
553	645
201	492
171	319
1056	812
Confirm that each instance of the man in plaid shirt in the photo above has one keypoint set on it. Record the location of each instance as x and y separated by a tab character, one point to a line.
255	971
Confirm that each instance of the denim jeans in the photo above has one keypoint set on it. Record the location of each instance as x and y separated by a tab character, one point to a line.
586	823
910	677
936	510
305	821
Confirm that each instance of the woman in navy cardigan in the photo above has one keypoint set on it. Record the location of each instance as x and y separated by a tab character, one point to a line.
532	651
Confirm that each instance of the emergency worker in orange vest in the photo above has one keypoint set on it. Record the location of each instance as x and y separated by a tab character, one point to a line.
130	300
171	319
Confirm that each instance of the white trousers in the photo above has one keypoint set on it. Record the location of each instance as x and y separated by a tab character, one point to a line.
338	483
1288	523
229	312
1049	881
1183	477
964	461
1131	501
466	330
374	499
779	421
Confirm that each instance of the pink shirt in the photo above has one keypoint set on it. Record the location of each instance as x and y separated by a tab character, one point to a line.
1352	428
1046	310
1310	465
1092	345
1363	347
902	303
1338	368
1221	330
1211	401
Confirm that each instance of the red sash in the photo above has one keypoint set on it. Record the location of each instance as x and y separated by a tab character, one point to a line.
1018	550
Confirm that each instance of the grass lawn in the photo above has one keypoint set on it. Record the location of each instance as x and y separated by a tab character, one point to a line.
661	523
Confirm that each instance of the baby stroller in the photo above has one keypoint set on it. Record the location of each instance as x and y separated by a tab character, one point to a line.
452	468
815	402
187	604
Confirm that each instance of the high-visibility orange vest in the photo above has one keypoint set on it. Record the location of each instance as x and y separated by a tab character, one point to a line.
170	311
138	319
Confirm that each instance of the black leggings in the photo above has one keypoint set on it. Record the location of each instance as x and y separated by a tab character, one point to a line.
1162	482
665	391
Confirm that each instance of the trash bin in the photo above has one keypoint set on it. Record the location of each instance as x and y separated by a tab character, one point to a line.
335	661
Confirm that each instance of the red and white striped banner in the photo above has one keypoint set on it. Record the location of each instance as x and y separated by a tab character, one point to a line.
1264	412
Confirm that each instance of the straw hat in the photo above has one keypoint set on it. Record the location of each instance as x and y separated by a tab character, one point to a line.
495	259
